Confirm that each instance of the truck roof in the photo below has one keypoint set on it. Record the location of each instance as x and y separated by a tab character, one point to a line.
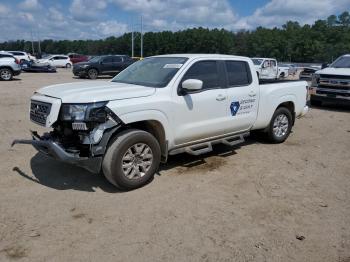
202	56
265	58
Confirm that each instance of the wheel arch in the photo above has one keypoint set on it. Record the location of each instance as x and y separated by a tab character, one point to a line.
290	106
155	128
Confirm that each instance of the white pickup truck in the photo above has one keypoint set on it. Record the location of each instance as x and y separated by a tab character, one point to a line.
160	106
332	84
268	69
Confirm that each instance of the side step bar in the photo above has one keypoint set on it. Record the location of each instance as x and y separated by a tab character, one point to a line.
205	147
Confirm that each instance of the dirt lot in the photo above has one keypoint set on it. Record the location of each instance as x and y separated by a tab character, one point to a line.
243	204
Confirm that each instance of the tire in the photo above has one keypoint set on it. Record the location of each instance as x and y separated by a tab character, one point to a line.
280	125
68	65
314	102
92	73
6	74
123	152
281	75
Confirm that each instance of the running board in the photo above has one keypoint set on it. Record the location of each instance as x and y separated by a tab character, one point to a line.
207	147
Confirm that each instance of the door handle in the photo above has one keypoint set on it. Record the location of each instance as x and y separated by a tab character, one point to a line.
252	94
220	97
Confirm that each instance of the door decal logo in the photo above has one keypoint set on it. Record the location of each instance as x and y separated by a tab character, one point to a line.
234	108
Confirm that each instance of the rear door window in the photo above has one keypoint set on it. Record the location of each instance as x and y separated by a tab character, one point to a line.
117	59
238	73
108	60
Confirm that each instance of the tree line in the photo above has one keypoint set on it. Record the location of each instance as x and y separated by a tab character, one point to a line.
322	41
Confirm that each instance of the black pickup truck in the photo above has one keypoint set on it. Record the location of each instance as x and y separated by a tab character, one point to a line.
102	65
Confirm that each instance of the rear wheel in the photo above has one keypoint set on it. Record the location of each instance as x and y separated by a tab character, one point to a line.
280	125
132	159
92	73
6	74
68	65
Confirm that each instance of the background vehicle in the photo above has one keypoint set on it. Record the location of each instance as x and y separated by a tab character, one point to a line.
267	69
332	84
161	106
9	66
292	69
306	73
56	61
102	65
21	56
76	58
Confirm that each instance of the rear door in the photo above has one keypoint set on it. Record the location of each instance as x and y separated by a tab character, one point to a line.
118	63
200	114
243	96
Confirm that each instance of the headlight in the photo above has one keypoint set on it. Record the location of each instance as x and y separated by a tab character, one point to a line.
84	112
84	66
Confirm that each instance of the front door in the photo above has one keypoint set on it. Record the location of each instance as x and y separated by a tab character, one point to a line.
200	114
243	96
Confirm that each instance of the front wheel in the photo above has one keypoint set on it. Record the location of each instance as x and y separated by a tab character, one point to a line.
92	73
132	159
6	74
68	65
280	125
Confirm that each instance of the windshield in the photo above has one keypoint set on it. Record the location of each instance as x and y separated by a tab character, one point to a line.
257	61
341	62
95	59
152	72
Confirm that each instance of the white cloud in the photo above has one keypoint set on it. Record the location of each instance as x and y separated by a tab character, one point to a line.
162	14
4	9
89	19
29	5
109	28
277	12
87	10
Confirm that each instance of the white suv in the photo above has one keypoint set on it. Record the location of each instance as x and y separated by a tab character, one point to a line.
22	56
9	66
56	61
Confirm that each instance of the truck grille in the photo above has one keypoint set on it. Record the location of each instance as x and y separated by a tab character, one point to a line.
334	82
39	112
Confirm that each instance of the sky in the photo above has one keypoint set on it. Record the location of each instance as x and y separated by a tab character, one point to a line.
96	19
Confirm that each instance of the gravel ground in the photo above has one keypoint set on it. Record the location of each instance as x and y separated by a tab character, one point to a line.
257	202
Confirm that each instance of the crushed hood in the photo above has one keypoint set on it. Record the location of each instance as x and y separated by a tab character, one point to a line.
95	91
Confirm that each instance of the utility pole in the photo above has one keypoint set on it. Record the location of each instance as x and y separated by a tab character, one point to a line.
132	40
39	47
31	33
141	38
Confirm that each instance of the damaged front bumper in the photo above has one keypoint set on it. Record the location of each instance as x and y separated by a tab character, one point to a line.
47	146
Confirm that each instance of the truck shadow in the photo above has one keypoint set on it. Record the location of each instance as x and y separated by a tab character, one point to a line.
61	176
341	108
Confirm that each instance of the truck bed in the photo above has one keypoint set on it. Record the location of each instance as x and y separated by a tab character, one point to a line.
266	81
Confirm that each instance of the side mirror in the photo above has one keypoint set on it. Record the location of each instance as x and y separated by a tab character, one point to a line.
324	65
192	84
